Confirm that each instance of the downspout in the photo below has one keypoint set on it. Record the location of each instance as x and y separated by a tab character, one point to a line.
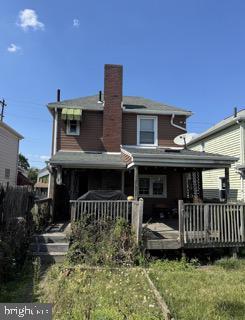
55	130
176	125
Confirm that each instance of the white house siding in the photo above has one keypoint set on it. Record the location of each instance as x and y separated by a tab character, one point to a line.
9	145
225	142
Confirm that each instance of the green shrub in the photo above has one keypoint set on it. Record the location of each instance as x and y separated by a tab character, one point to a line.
229	263
41	216
103	243
174	265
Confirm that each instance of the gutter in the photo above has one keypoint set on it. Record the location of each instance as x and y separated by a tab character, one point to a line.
55	130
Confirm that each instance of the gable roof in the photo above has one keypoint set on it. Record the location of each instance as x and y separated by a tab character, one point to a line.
131	104
11	130
225	123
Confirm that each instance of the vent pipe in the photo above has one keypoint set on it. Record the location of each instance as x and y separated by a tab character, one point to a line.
58	95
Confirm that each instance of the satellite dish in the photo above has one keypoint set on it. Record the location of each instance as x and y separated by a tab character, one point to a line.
184	139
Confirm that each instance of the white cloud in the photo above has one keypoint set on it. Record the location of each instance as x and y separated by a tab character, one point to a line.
44	158
29	19
13	48
76	23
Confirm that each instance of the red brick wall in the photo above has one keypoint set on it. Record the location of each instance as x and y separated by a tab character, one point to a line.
112	119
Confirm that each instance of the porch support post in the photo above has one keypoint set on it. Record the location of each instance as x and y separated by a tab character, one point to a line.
136	183
227	183
181	222
122	180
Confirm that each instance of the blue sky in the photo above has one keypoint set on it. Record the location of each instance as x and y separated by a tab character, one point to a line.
186	53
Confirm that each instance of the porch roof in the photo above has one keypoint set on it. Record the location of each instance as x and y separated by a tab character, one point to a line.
176	158
82	159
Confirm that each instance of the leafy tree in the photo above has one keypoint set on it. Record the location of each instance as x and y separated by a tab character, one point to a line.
32	174
23	162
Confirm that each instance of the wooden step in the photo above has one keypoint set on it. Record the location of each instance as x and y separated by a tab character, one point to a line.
165	244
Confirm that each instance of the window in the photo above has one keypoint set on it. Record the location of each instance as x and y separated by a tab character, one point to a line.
153	186
147	130
7	173
73	127
222	188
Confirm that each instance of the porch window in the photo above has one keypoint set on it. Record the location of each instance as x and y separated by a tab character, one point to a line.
222	188
147	130
73	127
153	186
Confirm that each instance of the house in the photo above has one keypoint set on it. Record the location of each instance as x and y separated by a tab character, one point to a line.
22	177
41	186
227	137
9	150
114	142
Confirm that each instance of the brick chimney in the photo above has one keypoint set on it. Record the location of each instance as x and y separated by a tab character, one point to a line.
112	118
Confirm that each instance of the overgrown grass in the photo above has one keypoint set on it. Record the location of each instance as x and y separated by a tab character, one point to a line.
99	294
21	288
212	293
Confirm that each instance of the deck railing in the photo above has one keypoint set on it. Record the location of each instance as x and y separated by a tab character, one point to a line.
131	211
211	224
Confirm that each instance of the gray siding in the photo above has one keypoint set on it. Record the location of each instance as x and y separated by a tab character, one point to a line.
9	145
225	142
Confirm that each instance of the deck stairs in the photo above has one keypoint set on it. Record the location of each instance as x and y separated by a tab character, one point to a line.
162	236
52	245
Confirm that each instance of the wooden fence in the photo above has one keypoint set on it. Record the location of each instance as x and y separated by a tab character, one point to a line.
15	202
131	211
211	224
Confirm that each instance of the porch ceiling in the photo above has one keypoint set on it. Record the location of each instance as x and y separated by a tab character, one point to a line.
80	159
176	158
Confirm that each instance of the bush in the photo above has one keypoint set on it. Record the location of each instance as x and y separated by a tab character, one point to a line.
41	215
103	243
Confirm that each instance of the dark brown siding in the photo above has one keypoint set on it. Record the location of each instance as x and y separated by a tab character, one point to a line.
129	129
166	132
91	131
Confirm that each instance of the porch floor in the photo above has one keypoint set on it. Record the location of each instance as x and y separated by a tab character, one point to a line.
162	235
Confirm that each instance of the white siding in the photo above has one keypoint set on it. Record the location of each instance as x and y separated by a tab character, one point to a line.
9	145
225	142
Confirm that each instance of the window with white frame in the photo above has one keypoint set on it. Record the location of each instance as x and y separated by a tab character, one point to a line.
222	188
147	130
73	127
153	186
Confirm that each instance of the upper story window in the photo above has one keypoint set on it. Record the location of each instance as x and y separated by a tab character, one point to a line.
73	127
147	130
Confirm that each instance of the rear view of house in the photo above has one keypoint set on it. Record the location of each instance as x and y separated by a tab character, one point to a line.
9	149
114	142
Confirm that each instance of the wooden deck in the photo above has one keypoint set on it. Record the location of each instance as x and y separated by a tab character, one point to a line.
199	225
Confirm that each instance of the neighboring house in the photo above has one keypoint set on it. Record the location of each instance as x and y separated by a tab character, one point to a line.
9	150
22	178
41	186
116	142
226	138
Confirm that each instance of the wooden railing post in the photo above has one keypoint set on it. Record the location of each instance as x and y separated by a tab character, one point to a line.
181	222
242	211
137	218
73	209
206	222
